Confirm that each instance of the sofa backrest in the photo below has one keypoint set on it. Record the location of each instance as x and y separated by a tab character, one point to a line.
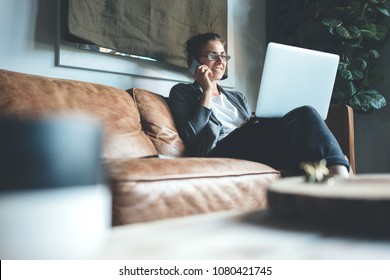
32	96
157	122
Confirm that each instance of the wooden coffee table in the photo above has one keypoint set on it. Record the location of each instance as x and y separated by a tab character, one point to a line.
244	235
361	202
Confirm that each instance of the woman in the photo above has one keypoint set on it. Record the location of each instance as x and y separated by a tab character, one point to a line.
216	122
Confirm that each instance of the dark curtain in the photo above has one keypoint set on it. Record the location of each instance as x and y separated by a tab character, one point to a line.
152	28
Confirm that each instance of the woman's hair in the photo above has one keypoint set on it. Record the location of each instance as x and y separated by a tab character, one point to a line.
195	44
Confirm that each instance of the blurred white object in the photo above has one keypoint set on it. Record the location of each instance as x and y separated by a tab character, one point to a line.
58	223
53	200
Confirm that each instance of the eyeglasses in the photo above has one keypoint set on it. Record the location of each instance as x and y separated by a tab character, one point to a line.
215	56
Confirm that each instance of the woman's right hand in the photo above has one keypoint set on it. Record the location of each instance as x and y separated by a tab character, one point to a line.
203	78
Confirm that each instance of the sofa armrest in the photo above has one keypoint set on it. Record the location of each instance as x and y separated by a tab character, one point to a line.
340	122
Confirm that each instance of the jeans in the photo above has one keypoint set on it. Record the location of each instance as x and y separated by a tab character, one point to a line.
283	143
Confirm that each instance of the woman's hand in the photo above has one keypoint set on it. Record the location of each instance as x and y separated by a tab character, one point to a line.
203	76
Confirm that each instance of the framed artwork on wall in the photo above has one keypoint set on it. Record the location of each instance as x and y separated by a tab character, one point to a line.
87	42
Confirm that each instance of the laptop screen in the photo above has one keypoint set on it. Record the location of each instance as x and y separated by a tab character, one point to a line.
294	77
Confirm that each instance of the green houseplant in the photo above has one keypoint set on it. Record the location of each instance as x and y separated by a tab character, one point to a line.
354	29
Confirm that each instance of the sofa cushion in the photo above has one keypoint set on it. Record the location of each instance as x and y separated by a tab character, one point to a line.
31	96
151	188
157	122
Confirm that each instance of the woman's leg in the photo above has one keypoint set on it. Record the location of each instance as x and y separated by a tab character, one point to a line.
258	140
339	170
300	136
309	139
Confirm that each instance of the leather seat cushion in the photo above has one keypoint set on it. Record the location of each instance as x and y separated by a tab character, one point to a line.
151	188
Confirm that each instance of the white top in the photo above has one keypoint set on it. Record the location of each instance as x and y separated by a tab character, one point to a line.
227	114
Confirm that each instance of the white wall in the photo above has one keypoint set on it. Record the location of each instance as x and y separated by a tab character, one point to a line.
250	46
28	37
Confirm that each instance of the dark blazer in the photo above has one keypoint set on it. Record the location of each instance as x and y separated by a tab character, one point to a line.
197	125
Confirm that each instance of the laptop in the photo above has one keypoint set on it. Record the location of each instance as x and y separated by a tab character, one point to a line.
293	77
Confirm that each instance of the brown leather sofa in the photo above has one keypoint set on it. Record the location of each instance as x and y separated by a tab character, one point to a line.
138	127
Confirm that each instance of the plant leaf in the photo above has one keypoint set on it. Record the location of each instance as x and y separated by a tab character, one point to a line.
369	30
331	22
352	88
359	64
350	32
382	30
367	100
374	31
342	65
352	75
355	43
375	99
357	74
357	105
383	10
372	54
346	74
377	1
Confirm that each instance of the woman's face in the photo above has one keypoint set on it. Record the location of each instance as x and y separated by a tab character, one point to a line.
217	66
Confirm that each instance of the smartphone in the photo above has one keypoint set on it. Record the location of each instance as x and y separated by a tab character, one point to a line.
193	66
